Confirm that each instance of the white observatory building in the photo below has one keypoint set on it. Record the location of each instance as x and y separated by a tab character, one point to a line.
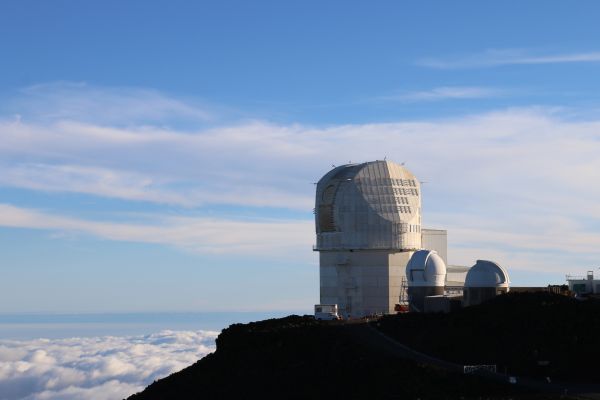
368	225
484	281
426	276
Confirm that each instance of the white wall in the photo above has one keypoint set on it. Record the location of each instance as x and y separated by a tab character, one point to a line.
362	282
436	239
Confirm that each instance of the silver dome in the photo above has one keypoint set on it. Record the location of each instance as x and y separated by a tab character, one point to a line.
426	268
487	274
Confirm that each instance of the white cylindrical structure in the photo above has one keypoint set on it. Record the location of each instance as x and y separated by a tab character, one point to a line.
426	276
375	205
368	223
485	280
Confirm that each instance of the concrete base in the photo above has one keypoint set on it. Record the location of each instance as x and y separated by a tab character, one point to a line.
362	282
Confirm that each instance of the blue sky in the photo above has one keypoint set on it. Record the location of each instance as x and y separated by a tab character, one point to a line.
160	156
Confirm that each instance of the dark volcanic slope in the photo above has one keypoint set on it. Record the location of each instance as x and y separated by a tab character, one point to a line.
299	358
521	332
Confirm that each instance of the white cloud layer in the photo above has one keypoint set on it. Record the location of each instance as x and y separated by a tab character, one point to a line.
99	368
498	57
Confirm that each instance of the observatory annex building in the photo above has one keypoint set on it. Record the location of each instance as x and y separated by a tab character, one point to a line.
368	225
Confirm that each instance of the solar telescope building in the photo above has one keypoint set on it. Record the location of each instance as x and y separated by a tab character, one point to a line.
373	251
368	225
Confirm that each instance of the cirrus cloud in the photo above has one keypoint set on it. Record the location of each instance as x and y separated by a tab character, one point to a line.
499	57
199	234
503	172
445	93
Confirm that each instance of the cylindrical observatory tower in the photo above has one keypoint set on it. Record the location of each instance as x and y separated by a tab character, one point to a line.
368	223
484	281
426	276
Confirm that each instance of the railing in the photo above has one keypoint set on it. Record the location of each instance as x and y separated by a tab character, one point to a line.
469	369
316	247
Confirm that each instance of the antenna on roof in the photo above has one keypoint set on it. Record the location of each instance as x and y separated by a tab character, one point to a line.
384	158
333	165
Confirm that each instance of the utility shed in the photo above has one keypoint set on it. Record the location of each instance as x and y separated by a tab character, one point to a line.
582	285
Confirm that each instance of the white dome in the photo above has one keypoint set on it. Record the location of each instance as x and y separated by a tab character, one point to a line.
373	205
426	268
487	274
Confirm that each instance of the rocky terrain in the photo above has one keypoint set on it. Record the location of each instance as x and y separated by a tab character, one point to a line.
300	358
525	334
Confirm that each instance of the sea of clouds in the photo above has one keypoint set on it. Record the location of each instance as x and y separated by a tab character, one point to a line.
106	367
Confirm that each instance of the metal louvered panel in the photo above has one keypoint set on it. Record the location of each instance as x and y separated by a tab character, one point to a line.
374	205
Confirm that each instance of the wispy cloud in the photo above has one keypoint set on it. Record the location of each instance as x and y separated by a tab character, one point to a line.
445	93
152	187
91	180
272	238
498	170
107	105
96	367
499	57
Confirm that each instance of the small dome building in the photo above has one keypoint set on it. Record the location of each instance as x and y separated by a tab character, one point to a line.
484	281
426	276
